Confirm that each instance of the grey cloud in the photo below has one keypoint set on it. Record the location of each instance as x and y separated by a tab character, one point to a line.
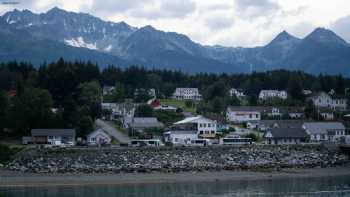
178	8
256	8
219	7
20	4
219	23
167	9
117	5
342	27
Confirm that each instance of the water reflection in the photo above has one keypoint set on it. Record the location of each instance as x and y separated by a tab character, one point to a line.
336	186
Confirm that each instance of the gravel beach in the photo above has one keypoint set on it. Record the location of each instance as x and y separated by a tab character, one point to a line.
18	179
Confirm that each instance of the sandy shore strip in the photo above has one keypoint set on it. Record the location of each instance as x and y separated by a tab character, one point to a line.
16	179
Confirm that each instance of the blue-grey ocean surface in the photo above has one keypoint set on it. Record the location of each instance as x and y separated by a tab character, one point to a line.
332	186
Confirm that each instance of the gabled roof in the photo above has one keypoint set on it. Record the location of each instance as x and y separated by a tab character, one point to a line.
145	122
192	120
317	94
179	132
288	133
98	131
53	132
281	123
248	108
322	127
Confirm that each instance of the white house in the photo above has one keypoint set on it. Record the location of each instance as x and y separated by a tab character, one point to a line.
325	131
151	92
180	137
325	113
108	90
324	100
269	94
236	92
204	127
307	92
120	109
240	114
187	94
99	137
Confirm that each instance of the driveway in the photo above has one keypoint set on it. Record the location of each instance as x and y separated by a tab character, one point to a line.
112	131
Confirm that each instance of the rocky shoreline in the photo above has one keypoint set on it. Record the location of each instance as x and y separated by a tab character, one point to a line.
170	160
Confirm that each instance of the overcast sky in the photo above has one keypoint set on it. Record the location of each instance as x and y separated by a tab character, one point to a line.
244	23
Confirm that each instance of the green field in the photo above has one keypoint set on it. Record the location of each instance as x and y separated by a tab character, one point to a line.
179	104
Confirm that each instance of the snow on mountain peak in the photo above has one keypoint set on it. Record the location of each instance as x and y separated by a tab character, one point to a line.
79	42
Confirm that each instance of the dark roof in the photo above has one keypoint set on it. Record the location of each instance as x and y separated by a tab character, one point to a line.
179	132
322	127
288	133
282	123
337	96
53	132
145	122
249	108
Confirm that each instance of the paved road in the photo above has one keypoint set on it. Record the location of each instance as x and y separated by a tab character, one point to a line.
118	135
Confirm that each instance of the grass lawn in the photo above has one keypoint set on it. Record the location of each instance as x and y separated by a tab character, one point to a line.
116	124
178	104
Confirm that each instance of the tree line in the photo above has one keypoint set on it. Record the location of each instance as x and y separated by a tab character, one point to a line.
65	94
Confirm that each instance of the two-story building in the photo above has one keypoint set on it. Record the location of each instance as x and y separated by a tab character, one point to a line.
325	131
187	94
236	92
191	128
269	94
205	127
324	100
240	114
119	110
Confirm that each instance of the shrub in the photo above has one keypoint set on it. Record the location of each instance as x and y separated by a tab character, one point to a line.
6	153
253	136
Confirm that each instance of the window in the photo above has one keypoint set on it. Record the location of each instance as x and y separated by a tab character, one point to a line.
212	132
200	132
93	139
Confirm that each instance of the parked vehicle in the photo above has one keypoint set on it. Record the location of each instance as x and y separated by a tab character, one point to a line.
200	142
146	143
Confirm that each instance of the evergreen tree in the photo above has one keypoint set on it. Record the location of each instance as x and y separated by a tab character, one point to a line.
32	109
4	105
119	93
295	88
144	111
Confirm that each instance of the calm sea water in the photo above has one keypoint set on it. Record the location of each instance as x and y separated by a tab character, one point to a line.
336	186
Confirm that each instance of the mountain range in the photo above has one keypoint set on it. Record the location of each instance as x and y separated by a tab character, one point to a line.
27	36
